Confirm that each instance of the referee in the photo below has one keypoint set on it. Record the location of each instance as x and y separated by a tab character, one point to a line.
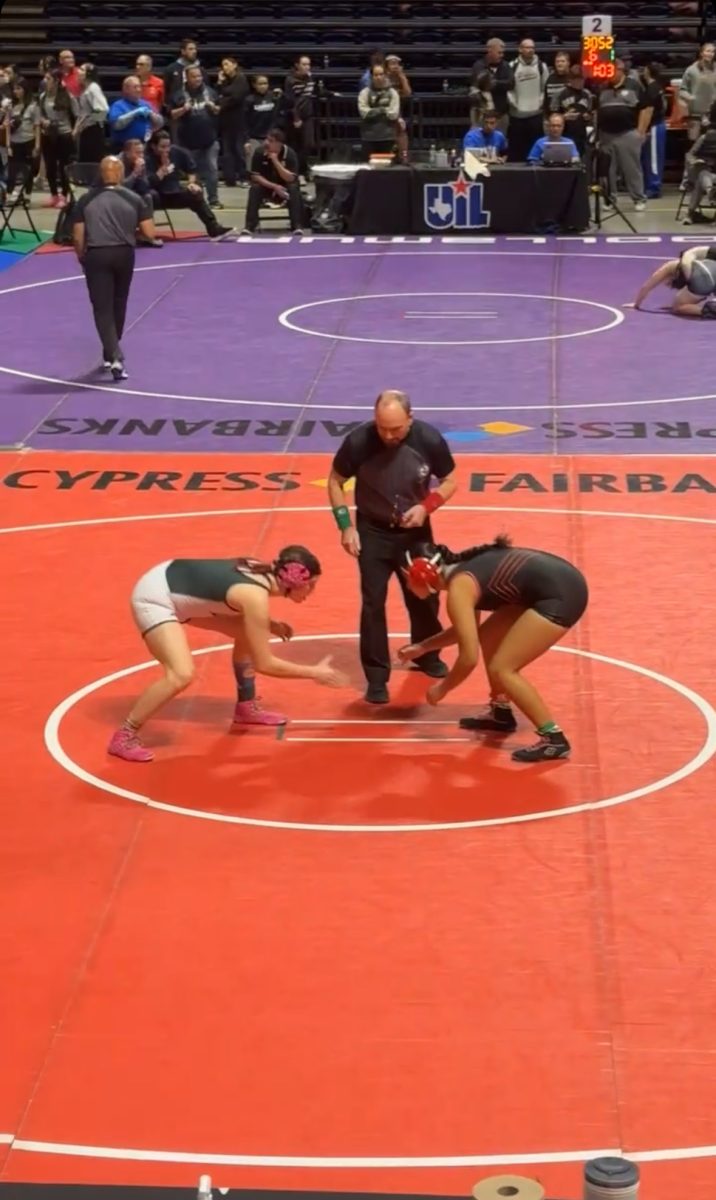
393	459
105	236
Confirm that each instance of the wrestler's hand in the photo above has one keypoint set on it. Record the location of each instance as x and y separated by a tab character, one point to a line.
407	654
436	692
281	630
350	541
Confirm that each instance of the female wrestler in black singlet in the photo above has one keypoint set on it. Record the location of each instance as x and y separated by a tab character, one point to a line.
533	597
226	596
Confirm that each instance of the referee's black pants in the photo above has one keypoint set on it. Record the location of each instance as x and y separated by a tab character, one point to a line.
108	271
382	554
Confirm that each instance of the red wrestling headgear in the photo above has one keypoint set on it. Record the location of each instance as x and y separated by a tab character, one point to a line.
293	575
424	570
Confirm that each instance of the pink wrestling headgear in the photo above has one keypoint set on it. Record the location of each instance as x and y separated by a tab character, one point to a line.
293	575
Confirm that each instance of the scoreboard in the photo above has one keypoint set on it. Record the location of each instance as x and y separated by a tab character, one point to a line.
598	48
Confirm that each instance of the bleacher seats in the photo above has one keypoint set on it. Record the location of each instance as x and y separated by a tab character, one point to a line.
437	39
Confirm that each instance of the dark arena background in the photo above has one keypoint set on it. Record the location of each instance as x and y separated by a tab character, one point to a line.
364	953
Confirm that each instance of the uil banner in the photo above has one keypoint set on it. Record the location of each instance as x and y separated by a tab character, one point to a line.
515	198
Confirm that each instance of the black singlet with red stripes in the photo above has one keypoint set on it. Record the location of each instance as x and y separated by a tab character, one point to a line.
526	578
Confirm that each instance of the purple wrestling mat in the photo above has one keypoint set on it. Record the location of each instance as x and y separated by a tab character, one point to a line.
281	345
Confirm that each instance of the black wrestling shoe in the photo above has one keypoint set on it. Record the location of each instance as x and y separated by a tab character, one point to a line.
435	668
497	718
550	746
377	693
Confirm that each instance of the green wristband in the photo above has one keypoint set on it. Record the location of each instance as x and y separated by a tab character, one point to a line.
342	517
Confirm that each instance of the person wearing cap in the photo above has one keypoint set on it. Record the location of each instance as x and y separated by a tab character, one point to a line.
105	237
393	459
693	277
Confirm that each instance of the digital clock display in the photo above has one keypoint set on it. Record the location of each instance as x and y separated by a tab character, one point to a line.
598	55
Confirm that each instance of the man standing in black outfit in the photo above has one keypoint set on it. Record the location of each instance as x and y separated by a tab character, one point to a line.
104	236
393	459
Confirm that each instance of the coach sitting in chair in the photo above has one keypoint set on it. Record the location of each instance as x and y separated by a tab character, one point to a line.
274	181
167	168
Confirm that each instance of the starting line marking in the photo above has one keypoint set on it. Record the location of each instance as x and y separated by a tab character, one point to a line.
275	1160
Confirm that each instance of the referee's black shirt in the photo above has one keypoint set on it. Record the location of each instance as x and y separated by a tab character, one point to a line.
391	479
110	216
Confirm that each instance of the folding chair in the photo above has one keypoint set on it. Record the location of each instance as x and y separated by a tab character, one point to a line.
9	208
166	222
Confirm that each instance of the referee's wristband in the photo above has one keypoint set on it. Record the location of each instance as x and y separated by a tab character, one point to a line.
342	517
432	502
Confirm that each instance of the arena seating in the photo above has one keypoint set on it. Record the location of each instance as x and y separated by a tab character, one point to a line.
438	39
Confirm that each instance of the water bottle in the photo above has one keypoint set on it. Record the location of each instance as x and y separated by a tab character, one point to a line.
433	156
446	85
204	1192
611	1179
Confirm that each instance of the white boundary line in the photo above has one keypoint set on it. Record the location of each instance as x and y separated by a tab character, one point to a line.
57	751
681	1153
491	408
6	1139
478	510
617	316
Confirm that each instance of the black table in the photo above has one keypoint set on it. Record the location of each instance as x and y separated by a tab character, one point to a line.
515	199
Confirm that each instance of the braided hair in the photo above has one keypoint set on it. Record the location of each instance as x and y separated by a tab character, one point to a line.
448	558
293	567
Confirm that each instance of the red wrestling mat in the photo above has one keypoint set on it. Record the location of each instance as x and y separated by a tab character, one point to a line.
376	938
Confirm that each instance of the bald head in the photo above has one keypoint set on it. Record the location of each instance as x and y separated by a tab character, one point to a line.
393	417
111	171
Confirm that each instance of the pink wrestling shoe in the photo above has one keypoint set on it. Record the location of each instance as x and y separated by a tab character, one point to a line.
250	712
126	744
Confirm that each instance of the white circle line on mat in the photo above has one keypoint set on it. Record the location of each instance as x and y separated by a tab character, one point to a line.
343	1162
470	408
67	763
322	508
285	319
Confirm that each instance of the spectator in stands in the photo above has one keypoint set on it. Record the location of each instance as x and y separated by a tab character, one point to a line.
555	133
652	125
70	73
7	78
379	108
697	89
377	59
482	101
93	109
701	168
134	164
557	81
58	115
502	79
131	117
233	90
23	126
526	100
195	108
263	110
152	86
299	89
487	139
173	176
274	180
575	104
618	108
399	80
175	74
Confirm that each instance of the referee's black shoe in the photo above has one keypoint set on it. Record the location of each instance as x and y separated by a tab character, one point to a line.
377	693
434	667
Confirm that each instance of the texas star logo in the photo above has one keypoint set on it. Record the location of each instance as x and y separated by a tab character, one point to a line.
457	205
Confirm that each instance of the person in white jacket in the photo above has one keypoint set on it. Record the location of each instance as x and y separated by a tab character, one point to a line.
379	108
526	100
93	108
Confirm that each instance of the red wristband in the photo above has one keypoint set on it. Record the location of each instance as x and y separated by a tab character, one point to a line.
432	501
